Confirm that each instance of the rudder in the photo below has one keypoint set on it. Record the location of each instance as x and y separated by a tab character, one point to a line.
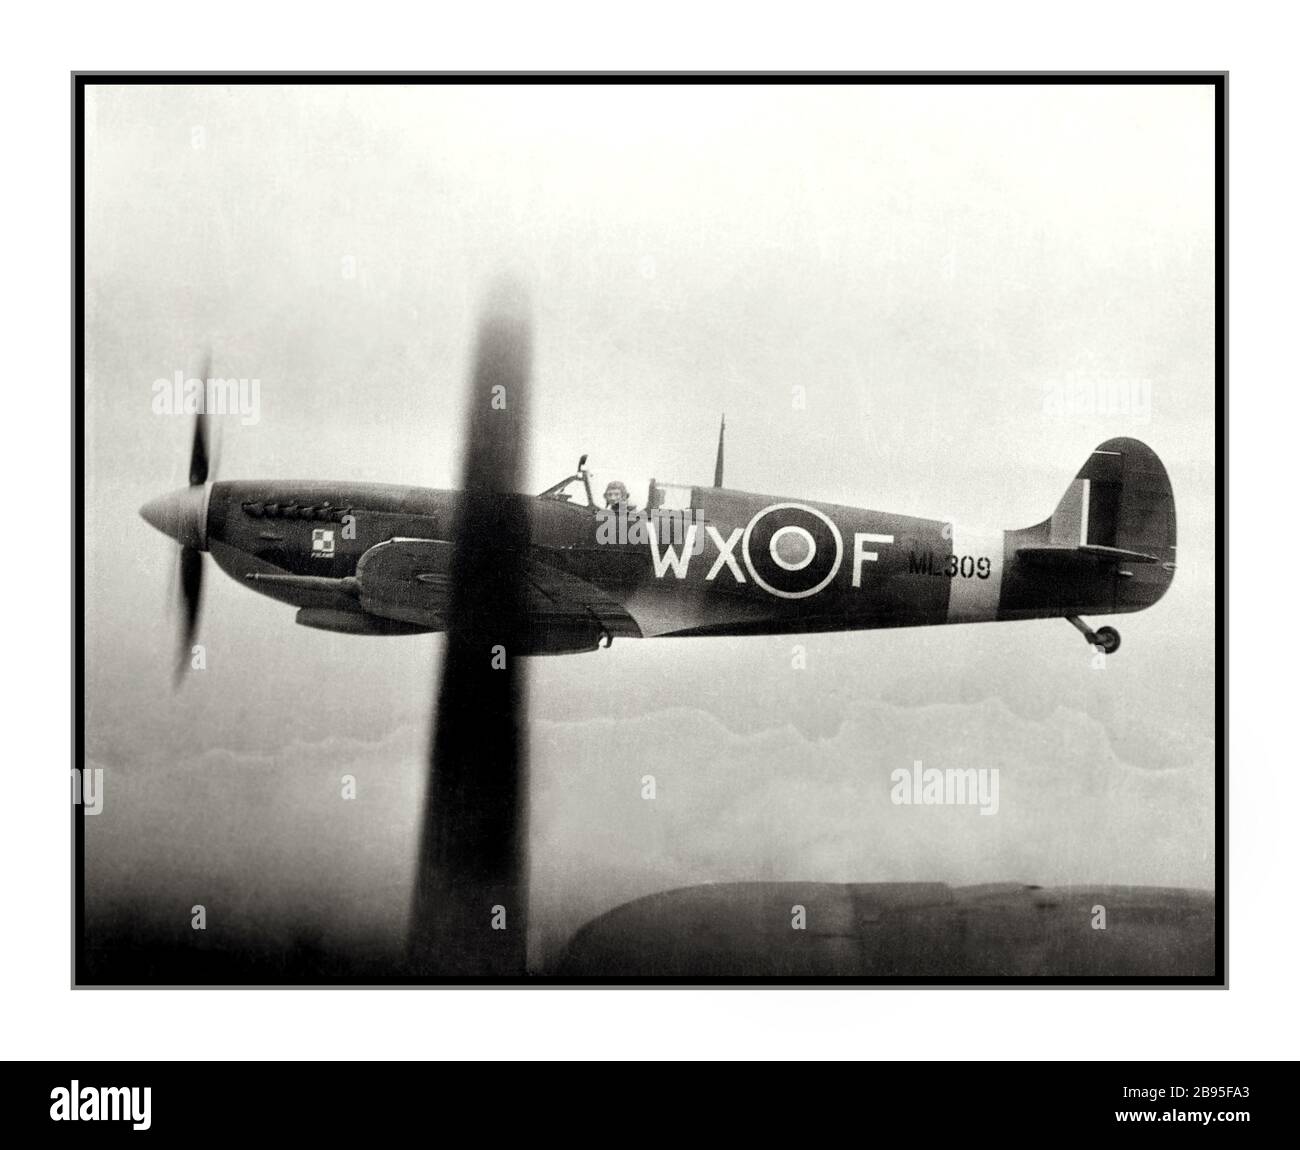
1110	545
1121	498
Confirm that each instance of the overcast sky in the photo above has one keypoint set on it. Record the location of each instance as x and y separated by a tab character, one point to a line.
928	263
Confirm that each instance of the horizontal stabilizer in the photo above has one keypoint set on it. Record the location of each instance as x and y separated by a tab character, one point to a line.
1053	553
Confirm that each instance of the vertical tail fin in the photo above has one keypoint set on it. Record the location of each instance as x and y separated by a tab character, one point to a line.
1121	498
1110	545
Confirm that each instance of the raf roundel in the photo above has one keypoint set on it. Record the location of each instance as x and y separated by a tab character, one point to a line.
792	550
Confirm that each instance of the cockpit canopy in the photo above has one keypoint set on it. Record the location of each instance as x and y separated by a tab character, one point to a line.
601	489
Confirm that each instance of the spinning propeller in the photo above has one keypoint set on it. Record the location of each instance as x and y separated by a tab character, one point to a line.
469	914
183	515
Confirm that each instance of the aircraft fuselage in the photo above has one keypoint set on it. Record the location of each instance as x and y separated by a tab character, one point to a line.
370	559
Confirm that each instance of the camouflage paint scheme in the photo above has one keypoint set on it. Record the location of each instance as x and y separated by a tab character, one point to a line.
374	558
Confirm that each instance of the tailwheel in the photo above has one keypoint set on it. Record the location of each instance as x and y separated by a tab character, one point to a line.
1105	639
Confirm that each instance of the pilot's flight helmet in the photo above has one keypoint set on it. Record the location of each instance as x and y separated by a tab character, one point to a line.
615	493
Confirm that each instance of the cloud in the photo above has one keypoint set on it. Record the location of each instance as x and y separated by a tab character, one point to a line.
268	844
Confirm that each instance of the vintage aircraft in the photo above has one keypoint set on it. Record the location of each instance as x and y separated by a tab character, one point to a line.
505	574
376	559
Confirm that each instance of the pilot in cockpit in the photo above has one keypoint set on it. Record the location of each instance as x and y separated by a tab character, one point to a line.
617	497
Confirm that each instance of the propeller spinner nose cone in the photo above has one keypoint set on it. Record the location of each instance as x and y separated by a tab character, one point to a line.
181	514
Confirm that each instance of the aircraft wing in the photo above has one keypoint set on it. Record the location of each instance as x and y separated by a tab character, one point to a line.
409	580
898	930
560	597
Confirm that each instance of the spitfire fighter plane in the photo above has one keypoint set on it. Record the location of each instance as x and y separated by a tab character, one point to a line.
376	559
507	574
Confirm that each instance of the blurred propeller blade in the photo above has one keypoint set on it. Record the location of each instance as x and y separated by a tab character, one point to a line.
469	913
199	452
199	448
191	586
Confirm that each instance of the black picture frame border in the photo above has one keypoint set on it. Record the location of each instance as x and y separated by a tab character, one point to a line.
81	977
